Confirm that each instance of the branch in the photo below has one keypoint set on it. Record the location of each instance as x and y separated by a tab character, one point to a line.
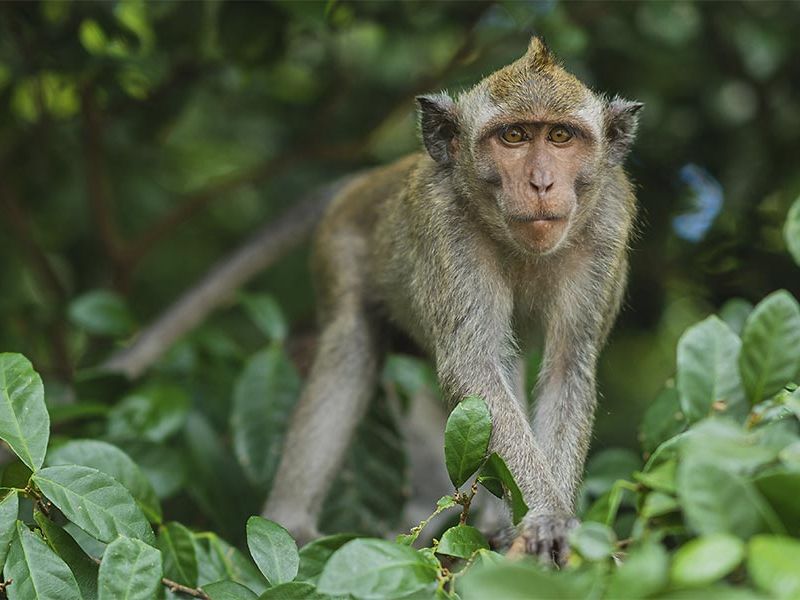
269	245
97	180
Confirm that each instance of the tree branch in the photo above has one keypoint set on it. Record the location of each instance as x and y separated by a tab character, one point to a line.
270	244
97	182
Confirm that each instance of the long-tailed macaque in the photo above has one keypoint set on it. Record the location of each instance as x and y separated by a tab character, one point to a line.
518	217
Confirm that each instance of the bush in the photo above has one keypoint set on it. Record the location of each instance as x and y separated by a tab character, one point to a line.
712	512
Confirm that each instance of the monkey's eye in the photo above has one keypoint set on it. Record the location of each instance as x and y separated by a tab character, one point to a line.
513	134
559	134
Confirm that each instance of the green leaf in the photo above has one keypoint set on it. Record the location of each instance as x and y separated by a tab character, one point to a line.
466	439
228	590
24	422
781	488
643	573
83	568
369	494
717	501
735	312
177	548
520	582
314	555
662	420
606	467
263	398
130	570
267	315
593	541
273	549
461	541
772	564
110	460
770	355
293	591
657	504
376	569
101	312
496	477
791	231
706	559
94	501
707	369
153	413
36	571
219	560
9	509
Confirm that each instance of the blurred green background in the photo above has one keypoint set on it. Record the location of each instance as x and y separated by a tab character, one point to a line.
140	142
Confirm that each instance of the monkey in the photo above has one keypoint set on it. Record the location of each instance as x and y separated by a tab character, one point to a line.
516	219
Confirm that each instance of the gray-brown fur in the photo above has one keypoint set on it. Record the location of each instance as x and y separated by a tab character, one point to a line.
427	246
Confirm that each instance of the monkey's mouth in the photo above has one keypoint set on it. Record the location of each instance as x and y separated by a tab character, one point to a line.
536	217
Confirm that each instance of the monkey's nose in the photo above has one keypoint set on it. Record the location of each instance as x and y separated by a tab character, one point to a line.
542	181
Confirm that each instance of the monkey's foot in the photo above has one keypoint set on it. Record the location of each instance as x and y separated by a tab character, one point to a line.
544	536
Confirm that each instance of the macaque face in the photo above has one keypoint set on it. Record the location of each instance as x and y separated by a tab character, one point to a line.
537	169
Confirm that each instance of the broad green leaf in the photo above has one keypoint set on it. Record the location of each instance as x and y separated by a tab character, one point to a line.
735	312
770	355
717	501
706	559
9	509
593	541
643	573
110	460
24	422
130	570
369	494
94	501
657	504
215	480
662	420
82	566
707	369
496	478
606	507
228	590
466	439
772	564
791	231
727	445
36	571
660	477
163	467
781	488
263	398
273	549
314	555
267	315
606	467
153	413
520	582
293	591
376	569
461	541
218	560
101	312
177	550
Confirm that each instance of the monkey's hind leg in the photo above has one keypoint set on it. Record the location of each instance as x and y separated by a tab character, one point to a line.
341	383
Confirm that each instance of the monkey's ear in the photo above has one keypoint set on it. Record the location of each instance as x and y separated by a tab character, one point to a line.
439	125
622	120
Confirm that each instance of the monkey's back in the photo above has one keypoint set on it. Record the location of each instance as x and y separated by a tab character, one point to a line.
341	261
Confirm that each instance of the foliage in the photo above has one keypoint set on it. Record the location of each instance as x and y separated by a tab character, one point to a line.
142	141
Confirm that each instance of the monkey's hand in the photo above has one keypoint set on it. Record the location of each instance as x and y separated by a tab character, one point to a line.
544	536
